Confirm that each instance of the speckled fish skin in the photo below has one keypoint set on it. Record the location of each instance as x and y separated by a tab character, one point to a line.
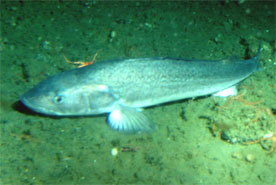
142	82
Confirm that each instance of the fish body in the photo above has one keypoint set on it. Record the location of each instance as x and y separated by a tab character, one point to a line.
122	87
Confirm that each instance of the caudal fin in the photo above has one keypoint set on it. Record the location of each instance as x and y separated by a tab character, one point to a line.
257	56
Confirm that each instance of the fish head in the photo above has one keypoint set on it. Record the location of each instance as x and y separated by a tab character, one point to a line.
61	96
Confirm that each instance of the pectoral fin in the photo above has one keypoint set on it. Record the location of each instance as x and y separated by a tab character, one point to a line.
126	119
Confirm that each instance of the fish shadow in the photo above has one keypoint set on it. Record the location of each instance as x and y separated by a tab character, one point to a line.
21	108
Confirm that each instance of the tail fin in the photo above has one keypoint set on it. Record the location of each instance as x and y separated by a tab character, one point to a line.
257	56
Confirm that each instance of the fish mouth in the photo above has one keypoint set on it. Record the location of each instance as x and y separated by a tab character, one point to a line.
35	107
29	105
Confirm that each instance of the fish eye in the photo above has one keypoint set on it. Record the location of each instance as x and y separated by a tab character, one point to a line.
58	99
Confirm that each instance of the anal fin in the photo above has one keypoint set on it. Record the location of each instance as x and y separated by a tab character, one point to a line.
231	91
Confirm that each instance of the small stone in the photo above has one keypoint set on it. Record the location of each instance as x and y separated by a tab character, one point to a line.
113	34
250	158
114	151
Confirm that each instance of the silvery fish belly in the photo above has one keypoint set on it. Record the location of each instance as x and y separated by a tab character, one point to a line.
122	87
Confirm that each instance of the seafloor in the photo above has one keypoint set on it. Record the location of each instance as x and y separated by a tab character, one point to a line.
197	141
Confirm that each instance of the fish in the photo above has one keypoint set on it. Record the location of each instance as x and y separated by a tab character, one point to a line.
122	88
